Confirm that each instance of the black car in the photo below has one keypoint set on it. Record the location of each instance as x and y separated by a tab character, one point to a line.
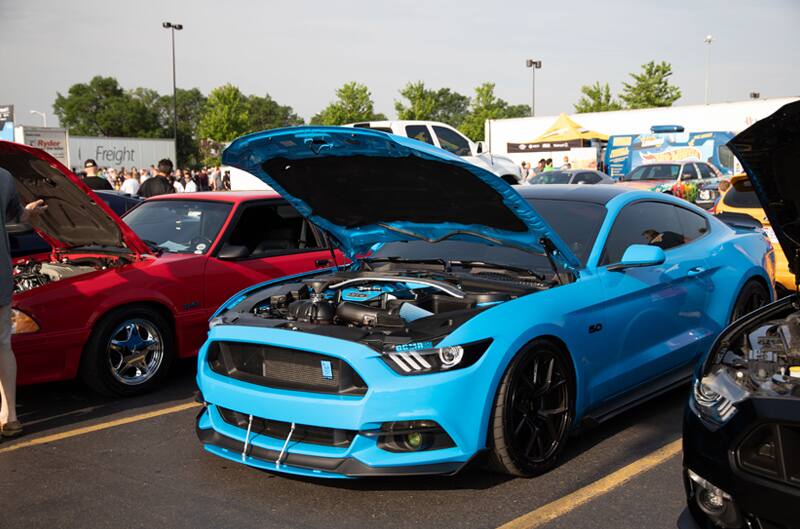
24	242
741	435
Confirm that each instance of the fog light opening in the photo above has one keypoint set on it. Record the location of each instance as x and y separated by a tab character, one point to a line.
412	436
717	504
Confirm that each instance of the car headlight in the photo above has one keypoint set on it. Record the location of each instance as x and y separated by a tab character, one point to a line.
21	323
714	396
419	358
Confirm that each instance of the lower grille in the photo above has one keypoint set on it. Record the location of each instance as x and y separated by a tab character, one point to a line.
283	368
772	450
280	430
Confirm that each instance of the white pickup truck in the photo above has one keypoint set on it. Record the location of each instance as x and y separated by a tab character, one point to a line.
449	139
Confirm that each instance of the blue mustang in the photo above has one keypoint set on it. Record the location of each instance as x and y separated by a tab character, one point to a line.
471	318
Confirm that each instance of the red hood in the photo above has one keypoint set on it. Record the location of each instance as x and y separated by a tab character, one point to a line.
75	216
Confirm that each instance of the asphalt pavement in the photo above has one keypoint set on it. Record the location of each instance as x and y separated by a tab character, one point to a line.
137	463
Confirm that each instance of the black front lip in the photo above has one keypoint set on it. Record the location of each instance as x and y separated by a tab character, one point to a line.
710	454
345	466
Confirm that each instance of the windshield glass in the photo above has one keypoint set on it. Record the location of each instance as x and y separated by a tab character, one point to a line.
179	226
656	171
577	223
552	177
741	195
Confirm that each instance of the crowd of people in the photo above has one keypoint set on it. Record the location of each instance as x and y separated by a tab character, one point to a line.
163	178
544	165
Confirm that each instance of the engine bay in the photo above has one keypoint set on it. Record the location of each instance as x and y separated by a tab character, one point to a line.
380	307
766	360
30	273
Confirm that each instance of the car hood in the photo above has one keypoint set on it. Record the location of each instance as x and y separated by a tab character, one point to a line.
75	216
365	187
768	151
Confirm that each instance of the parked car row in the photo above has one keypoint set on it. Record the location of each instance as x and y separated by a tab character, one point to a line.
457	319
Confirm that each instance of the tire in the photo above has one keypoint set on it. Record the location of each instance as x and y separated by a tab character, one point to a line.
752	296
129	352
510	180
520	445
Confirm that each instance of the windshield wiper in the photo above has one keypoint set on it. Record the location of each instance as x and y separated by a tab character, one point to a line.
153	245
500	266
398	259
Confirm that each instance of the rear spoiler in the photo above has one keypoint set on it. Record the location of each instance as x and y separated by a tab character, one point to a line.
740	220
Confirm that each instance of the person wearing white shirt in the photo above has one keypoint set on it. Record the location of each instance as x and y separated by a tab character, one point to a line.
130	185
190	187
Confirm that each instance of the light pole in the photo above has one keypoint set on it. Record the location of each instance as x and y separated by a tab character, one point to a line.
174	27
43	114
708	40
533	65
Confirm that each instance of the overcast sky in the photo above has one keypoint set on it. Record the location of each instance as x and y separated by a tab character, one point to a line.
301	51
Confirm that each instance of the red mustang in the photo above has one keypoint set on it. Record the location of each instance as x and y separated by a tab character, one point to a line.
117	302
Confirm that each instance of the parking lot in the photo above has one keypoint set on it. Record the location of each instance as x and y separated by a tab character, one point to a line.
89	461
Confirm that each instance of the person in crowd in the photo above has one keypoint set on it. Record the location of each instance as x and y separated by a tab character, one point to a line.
189	184
539	167
130	185
216	179
548	165
226	181
178	183
526	170
158	184
566	165
11	211
202	180
92	179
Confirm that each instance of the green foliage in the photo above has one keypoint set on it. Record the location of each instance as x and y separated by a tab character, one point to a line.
432	105
353	103
102	108
651	87
265	113
191	106
485	105
226	114
596	98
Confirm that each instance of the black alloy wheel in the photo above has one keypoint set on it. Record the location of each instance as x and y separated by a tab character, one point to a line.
752	296
533	412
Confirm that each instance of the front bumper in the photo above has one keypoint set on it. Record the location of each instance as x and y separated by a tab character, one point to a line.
711	454
456	401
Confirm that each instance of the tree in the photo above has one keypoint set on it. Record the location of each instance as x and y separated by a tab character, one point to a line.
596	98
485	105
225	117
353	103
265	113
191	107
442	105
102	108
651	87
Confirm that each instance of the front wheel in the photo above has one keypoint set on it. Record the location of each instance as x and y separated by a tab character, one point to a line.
129	352
532	413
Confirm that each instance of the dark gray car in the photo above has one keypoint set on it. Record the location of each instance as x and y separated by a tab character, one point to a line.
571	176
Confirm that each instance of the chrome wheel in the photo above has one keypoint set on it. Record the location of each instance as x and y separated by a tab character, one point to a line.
537	410
135	351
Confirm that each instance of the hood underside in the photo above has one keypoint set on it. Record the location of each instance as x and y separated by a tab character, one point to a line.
366	187
768	151
75	216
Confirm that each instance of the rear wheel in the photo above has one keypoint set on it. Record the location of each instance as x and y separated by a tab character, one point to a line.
532	413
752	296
129	353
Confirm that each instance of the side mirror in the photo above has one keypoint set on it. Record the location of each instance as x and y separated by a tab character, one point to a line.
231	252
19	229
480	147
639	255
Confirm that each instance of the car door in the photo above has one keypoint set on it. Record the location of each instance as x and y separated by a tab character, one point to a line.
655	316
586	177
265	240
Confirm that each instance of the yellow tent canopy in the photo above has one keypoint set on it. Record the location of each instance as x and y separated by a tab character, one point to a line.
563	134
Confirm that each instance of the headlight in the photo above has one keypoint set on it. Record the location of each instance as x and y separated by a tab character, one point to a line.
421	357
707	194
715	395
21	323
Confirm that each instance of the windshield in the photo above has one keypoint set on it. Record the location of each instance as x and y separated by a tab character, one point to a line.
656	171
552	177
179	226
741	195
577	223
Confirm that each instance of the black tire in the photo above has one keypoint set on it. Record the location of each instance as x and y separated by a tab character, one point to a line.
104	367
752	296
525	446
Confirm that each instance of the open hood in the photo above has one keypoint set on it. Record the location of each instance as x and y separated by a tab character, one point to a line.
365	187
769	151
75	216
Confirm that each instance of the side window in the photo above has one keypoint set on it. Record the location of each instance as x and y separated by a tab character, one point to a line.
693	226
688	172
452	141
419	132
653	223
586	178
270	229
705	171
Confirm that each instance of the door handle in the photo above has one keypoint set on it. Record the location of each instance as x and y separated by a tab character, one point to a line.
696	271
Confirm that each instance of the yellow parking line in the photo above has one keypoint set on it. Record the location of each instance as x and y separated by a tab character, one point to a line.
97	427
562	506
